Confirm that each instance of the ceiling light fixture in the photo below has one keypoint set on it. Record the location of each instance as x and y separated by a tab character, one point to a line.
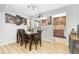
34	9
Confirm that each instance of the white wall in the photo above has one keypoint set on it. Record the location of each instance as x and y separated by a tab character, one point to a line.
71	21
7	30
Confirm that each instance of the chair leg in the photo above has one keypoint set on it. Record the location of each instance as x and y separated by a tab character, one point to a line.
30	44
21	43
17	38
25	44
40	42
36	44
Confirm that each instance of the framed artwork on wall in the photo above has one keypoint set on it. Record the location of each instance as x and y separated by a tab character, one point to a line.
24	21
10	18
18	20
50	20
44	22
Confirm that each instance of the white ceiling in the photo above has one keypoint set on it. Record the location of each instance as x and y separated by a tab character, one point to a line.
22	8
48	7
2	6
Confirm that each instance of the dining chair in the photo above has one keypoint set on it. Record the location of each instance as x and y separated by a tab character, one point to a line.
19	36
22	37
26	39
34	40
39	36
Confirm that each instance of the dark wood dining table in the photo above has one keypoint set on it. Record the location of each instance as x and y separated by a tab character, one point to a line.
30	34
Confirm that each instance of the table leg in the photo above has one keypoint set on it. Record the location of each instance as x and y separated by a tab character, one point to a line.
17	38
30	43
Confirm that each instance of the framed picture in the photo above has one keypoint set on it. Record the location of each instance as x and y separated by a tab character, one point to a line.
24	21
44	22
50	20
10	19
18	20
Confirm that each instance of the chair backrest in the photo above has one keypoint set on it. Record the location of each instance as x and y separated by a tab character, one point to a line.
39	31
21	33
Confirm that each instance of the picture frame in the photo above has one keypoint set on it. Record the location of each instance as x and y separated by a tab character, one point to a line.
18	20
24	21
10	18
50	20
44	22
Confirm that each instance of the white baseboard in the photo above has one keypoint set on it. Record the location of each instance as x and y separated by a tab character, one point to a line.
4	43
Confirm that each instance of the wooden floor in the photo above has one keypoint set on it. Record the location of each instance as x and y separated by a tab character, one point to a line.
47	48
